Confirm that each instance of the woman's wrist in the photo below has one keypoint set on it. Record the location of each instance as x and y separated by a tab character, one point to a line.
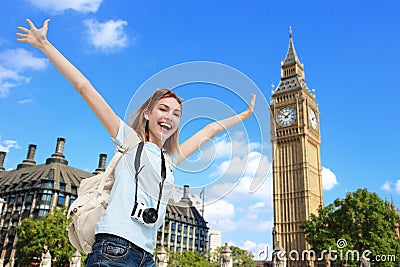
43	45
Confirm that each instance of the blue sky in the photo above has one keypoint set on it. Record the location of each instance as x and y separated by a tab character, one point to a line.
349	50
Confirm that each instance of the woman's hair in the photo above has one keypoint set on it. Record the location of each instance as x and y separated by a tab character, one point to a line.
140	124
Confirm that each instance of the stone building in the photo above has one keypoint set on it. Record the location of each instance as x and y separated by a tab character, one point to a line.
184	228
296	142
33	190
214	240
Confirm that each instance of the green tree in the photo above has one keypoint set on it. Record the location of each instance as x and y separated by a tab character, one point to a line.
37	235
360	222
189	258
241	257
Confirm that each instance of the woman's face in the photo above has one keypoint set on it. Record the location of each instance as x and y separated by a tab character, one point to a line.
163	120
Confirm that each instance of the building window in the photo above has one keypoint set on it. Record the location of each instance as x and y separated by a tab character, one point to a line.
19	199
48	183
73	189
29	198
46	195
42	210
62	186
61	199
71	199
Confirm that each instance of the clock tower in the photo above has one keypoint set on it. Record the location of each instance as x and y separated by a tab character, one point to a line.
296	141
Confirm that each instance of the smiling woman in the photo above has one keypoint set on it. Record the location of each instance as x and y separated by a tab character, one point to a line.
122	239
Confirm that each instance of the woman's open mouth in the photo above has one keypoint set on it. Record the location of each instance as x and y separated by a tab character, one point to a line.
165	126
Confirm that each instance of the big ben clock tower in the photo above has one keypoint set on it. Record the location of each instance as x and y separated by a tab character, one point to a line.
296	141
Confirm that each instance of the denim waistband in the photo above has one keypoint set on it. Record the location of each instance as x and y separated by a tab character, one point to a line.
111	237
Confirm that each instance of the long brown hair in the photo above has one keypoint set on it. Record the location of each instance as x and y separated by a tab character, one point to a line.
140	124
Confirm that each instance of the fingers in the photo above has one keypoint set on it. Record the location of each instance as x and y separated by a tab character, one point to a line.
30	23
22	29
253	97
252	101
46	23
22	37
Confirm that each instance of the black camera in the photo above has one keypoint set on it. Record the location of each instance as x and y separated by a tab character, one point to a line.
144	215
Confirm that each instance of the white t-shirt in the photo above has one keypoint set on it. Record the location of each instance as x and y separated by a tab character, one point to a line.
117	218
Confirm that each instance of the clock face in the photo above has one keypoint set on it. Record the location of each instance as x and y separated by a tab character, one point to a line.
313	118
286	116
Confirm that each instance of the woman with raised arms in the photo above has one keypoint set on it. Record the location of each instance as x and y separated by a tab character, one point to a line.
120	239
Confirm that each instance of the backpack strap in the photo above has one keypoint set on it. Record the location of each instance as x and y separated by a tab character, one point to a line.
137	167
130	141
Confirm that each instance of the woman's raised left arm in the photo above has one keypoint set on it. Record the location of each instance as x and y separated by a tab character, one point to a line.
192	144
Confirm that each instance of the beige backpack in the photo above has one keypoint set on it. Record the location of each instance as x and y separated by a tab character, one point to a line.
92	201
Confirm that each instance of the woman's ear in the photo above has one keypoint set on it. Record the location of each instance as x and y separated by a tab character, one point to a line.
146	114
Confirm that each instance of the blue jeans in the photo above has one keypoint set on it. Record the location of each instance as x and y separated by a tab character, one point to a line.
113	251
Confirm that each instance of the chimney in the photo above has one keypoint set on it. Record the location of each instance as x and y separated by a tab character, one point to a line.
2	158
30	158
60	145
58	155
185	198
31	153
102	164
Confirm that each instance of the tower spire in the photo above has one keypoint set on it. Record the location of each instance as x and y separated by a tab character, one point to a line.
292	71
291	55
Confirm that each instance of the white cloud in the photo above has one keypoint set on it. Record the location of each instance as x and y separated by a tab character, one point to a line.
241	190
260	251
220	215
397	186
25	101
12	63
251	164
387	186
58	6
21	59
10	79
224	146
6	145
240	210
328	179
108	36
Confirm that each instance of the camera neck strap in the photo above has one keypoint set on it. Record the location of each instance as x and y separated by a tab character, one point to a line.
139	168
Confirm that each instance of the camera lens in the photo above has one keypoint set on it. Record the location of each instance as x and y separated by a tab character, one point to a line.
150	215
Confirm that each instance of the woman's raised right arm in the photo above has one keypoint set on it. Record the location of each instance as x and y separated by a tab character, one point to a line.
37	38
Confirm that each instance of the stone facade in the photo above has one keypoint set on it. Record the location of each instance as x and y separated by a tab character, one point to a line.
297	174
33	190
184	228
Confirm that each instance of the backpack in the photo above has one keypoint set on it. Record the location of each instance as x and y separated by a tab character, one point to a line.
92	201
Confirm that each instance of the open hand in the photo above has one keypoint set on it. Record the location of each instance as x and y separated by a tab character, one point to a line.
33	36
247	113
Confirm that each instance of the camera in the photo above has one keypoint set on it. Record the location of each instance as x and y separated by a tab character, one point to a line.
144	215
